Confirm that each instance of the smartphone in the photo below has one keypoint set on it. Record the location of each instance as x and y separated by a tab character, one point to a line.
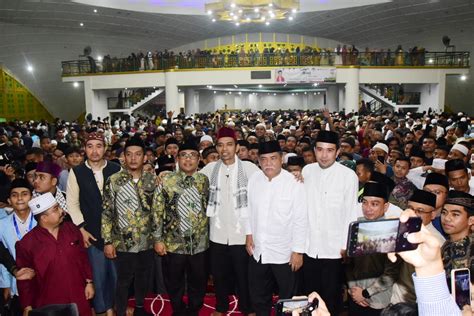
381	236
461	286
381	159
287	306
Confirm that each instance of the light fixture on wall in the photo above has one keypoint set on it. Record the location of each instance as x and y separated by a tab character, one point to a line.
75	84
251	11
29	68
463	77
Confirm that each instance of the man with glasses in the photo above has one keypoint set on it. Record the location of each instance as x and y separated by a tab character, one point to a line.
181	236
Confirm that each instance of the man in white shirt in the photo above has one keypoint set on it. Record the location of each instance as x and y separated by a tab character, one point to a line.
331	191
228	201
276	229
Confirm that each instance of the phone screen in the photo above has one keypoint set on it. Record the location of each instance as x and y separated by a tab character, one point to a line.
462	290
381	236
286	307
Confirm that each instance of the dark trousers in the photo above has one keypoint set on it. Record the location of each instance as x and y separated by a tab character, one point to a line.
181	272
229	269
325	277
262	280
13	307
357	310
136	269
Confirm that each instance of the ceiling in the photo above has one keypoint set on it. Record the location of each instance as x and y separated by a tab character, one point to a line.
42	33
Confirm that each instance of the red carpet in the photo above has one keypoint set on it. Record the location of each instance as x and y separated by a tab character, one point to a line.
160	305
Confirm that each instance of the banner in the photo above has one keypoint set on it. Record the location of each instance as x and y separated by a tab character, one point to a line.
305	75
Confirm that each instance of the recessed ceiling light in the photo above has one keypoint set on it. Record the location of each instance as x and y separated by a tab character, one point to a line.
240	92
260	86
99	58
267	23
232	5
81	24
240	11
29	68
213	20
75	84
256	10
235	17
294	10
270	5
209	12
215	92
237	24
463	77
248	19
290	18
95	10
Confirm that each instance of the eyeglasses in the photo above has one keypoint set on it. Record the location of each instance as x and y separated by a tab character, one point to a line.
188	155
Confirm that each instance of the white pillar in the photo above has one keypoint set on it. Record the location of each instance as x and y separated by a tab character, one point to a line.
332	98
342	97
191	101
441	94
352	90
172	95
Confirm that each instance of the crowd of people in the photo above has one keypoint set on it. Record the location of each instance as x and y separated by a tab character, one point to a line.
254	203
268	56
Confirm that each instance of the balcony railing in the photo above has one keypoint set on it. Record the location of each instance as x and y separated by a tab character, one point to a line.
367	59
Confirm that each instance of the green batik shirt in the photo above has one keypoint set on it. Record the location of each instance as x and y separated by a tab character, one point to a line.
127	219
179	213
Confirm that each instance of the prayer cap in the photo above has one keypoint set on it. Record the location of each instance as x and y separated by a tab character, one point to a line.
417	152
461	148
134	141
42	203
437	178
383	179
30	166
424	197
20	183
95	136
170	141
189	145
226	132
295	161
461	199
381	146
375	189
453	165
281	137
268	147
328	137
243	143
165	159
49	167
206	138
253	146
207	151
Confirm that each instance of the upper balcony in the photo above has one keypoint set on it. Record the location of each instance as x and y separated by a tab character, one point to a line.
215	61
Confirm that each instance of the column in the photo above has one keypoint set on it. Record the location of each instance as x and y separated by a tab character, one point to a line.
439	107
172	95
191	101
342	97
332	98
352	90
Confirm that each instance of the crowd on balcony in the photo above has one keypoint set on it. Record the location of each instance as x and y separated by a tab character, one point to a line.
93	210
269	56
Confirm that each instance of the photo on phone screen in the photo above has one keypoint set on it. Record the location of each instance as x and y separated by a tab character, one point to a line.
286	307
381	236
461	286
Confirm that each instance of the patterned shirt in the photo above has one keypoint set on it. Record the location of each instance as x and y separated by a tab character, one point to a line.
179	212
126	219
457	255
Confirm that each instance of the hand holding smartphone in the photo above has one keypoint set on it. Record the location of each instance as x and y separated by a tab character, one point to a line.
287	306
381	236
461	286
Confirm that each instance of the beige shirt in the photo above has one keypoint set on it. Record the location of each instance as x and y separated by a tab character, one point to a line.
72	193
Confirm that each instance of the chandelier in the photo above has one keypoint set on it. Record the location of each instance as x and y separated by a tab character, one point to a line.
252	11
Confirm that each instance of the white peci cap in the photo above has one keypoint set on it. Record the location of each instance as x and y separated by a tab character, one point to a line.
42	203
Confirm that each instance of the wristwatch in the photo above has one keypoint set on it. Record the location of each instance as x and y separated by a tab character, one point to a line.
365	293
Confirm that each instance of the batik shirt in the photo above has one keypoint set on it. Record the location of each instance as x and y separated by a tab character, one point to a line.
179	213
457	255
126	219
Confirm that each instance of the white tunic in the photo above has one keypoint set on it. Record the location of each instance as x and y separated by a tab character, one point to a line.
226	233
278	217
332	198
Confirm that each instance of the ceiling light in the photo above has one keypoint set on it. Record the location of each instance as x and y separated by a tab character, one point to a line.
240	11
230	92
319	92
81	24
215	92
232	5
99	58
463	77
305	92
274	94
95	10
29	68
430	61
231	14
292	94
235	17
315	93
247	19
260	86
267	23
294	10
213	20
210	87
240	92
237	24
290	18
75	84
270	5
209	12
256	10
